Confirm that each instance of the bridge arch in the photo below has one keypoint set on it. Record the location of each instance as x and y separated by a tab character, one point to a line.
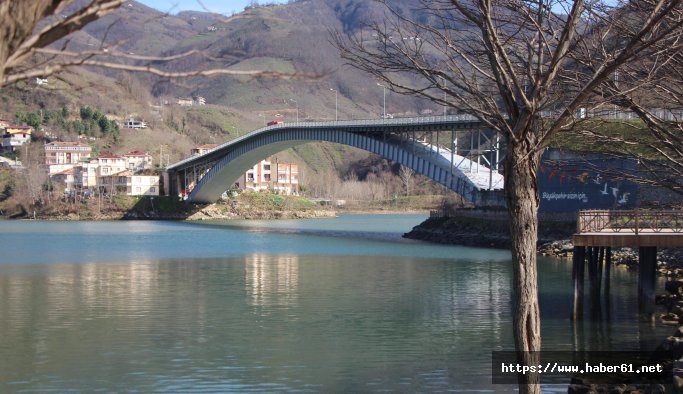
226	163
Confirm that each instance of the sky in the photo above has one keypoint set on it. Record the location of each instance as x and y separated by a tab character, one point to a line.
219	6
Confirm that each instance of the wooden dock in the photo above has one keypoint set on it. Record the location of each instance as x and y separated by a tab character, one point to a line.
598	231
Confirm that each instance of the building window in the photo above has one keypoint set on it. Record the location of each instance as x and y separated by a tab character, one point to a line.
266	177
152	189
266	167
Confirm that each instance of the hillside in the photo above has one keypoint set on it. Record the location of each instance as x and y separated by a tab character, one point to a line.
286	38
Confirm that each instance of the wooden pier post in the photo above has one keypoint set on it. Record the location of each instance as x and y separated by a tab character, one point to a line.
647	268
594	280
608	271
578	264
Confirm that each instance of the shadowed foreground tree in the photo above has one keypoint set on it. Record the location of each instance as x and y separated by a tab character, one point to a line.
524	68
31	29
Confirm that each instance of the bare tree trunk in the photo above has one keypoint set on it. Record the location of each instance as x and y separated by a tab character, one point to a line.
522	199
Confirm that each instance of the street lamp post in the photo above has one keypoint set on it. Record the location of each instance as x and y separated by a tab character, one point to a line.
384	88
336	112
297	109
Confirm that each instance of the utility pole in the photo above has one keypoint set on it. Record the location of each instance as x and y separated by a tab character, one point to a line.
444	96
336	113
297	108
384	113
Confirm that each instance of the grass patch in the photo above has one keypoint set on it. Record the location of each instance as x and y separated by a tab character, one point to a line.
632	130
272	201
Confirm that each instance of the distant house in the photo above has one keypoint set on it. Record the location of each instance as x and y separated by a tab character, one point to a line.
61	156
132	123
85	175
270	174
126	182
190	101
65	178
41	81
97	171
110	164
200	150
14	136
184	101
138	160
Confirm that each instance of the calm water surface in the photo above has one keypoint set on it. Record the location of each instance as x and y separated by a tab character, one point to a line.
331	305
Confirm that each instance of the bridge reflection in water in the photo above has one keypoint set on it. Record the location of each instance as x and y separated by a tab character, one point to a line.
431	146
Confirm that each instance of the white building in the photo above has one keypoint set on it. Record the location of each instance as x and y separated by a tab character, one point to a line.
138	160
128	183
61	156
132	123
272	175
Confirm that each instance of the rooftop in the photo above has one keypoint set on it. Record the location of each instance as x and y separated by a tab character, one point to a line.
136	153
207	146
67	144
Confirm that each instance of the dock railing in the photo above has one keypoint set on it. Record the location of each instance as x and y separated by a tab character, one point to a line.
629	221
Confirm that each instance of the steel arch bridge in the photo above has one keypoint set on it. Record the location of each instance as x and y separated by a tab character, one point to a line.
205	177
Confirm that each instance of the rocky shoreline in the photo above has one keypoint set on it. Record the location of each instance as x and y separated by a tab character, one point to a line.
482	232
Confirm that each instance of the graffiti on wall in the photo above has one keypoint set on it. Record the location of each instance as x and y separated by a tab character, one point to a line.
569	187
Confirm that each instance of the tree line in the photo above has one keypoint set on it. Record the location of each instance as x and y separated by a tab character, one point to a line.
91	122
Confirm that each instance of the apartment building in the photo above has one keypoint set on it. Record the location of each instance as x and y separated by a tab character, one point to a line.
130	183
61	156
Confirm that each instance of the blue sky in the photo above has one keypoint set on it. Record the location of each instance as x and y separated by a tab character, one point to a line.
219	6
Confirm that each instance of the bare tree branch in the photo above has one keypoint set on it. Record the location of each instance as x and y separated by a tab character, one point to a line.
27	52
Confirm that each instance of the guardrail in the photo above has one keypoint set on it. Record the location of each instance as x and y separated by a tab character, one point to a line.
630	222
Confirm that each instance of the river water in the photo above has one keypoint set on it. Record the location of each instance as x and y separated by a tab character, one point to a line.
330	305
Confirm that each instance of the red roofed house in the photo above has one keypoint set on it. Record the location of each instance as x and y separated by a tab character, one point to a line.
200	150
110	164
65	178
138	160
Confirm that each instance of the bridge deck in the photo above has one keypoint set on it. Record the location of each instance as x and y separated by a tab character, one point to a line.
619	239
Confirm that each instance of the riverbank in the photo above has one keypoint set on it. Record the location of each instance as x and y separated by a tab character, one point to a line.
490	230
244	206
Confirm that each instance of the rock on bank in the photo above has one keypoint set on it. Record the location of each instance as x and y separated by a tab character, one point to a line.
484	229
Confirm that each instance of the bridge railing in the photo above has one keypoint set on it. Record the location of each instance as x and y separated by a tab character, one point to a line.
629	221
416	121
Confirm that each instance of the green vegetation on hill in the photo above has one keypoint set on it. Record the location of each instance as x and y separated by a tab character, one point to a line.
608	136
92	122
